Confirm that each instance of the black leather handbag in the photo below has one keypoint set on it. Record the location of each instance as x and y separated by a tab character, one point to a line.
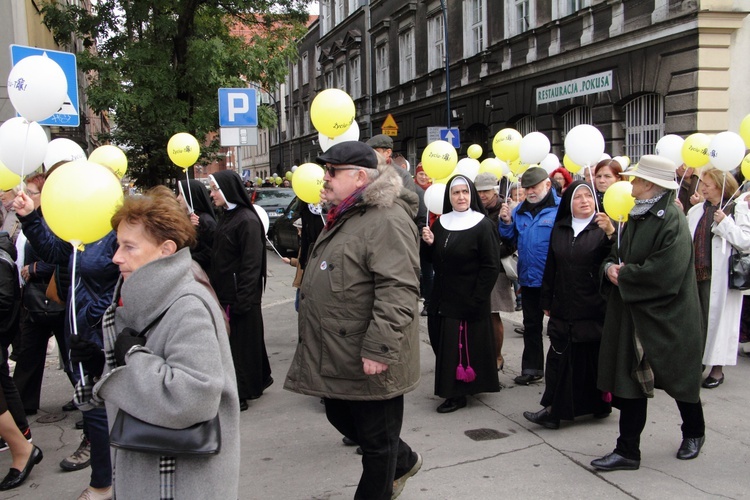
130	433
739	271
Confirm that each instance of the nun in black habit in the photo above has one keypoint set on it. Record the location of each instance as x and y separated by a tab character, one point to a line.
238	275
195	200
464	247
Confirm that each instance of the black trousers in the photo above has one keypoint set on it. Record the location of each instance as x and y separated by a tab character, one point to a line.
248	345
9	400
633	420
532	360
376	427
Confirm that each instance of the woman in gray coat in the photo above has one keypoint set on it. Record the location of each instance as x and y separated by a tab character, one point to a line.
180	372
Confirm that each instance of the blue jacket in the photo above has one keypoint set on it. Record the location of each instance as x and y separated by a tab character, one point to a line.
531	236
95	273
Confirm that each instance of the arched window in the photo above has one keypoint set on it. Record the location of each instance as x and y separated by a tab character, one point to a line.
525	125
580	115
644	125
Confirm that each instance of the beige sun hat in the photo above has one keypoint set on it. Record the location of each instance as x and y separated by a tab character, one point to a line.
656	169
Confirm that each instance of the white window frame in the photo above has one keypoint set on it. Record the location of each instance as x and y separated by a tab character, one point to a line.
305	69
355	78
340	11
515	25
306	118
325	10
475	27
328	79
341	76
644	125
435	42
406	62
295	76
382	70
353	5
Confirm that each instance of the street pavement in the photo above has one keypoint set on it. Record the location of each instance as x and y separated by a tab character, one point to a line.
484	451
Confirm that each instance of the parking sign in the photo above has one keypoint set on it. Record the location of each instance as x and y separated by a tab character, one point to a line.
238	108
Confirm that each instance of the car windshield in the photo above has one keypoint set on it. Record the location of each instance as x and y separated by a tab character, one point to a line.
274	197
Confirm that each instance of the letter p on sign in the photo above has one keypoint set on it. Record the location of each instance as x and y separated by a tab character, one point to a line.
238	108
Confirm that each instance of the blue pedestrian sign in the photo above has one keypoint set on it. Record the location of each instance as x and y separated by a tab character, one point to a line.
451	135
238	108
67	115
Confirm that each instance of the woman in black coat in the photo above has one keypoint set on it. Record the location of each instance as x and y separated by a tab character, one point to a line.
580	241
198	204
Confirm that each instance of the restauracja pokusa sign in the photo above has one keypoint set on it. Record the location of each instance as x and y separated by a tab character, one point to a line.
591	84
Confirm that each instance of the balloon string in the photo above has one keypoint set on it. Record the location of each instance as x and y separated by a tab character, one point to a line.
739	191
682	179
723	186
190	194
74	318
274	248
593	188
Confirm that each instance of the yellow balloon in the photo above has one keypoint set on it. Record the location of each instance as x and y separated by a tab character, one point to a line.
307	181
572	167
474	151
332	112
491	165
111	157
8	179
79	199
288	175
439	159
745	131
512	178
183	150
506	144
745	167
695	150
618	200
517	167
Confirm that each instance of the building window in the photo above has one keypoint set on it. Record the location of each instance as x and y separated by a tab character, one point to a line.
644	125
525	125
435	42
353	5
580	115
295	76
328	80
297	128
340	11
382	76
355	86
341	77
520	16
562	8
406	56
306	119
305	69
325	9
475	20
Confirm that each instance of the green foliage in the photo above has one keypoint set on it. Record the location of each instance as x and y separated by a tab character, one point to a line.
155	66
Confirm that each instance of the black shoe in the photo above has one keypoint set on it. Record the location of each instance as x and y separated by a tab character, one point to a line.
690	448
519	330
452	404
359	451
348	442
243	405
268	383
613	461
16	477
519	308
69	406
543	418
424	312
712	383
79	424
526	379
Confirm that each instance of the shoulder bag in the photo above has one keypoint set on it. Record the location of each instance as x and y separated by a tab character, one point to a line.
739	270
510	265
133	434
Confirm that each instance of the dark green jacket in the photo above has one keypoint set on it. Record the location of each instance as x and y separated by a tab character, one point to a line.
657	296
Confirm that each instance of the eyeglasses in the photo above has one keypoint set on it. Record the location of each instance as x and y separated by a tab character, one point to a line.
32	193
331	170
214	188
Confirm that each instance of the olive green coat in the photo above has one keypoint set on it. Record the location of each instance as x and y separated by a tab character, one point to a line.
657	296
359	300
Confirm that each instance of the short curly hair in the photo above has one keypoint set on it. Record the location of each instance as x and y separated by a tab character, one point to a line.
161	216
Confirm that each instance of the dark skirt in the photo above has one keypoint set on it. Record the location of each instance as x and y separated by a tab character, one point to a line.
570	377
481	345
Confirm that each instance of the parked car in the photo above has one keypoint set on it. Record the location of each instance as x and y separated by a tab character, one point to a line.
283	233
273	201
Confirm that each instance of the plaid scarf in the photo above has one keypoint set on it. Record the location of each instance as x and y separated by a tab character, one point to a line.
643	206
702	242
643	374
349	202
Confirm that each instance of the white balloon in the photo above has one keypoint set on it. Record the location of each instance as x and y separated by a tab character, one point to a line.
294	168
624	161
550	163
584	144
351	134
605	156
23	145
726	151
263	217
62	149
504	166
37	87
670	147
468	167
433	198
534	148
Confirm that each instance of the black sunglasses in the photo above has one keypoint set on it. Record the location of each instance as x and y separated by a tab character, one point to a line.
331	170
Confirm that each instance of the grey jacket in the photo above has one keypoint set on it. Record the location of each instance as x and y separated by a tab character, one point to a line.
183	375
359	300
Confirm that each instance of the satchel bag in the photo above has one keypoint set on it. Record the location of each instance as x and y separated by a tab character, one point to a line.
131	433
510	265
739	271
42	309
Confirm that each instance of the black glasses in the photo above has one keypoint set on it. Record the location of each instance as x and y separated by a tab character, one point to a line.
331	170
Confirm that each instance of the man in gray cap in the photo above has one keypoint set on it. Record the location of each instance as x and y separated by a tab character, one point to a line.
358	314
383	144
528	227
